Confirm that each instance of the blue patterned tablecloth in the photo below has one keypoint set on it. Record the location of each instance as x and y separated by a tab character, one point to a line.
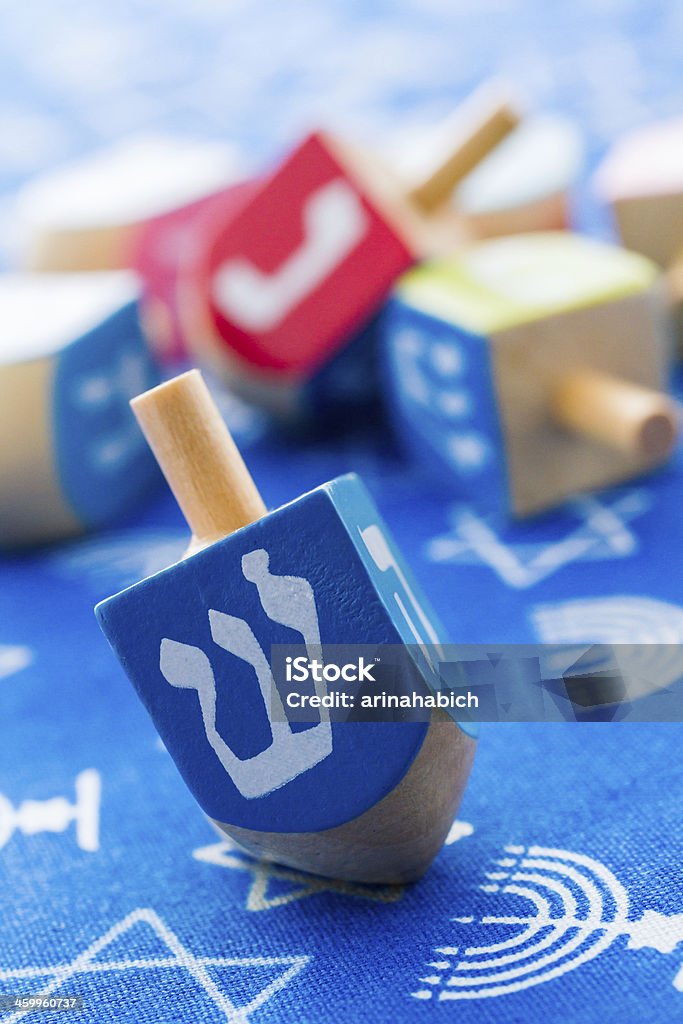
559	895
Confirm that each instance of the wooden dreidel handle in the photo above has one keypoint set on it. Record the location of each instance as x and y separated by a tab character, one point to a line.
367	801
482	123
199	458
627	417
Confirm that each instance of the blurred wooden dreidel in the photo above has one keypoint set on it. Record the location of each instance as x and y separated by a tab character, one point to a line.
71	357
523	185
85	215
641	179
368	801
279	288
531	368
159	251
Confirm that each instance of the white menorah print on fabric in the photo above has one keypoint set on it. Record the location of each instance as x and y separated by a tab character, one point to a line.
618	619
55	815
179	958
334	223
603	533
573	909
288	601
648	634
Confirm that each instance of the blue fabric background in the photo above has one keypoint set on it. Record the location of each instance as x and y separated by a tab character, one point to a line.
160	922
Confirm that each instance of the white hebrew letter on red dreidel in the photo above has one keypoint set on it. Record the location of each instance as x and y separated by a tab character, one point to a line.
299	267
334	223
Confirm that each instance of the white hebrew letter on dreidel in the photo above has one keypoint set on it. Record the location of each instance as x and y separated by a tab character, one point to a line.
380	552
289	601
113	384
111	388
334	223
112	451
289	754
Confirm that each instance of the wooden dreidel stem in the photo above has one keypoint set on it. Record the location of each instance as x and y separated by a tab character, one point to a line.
389	837
627	417
199	458
485	120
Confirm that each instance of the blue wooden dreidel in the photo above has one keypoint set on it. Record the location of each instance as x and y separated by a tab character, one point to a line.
72	355
531	368
369	801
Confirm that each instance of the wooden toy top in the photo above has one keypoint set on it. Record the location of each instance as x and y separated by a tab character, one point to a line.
159	174
412	203
540	158
644	162
41	313
509	281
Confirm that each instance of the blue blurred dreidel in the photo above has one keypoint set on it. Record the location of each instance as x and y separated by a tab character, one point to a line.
369	801
71	357
531	368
